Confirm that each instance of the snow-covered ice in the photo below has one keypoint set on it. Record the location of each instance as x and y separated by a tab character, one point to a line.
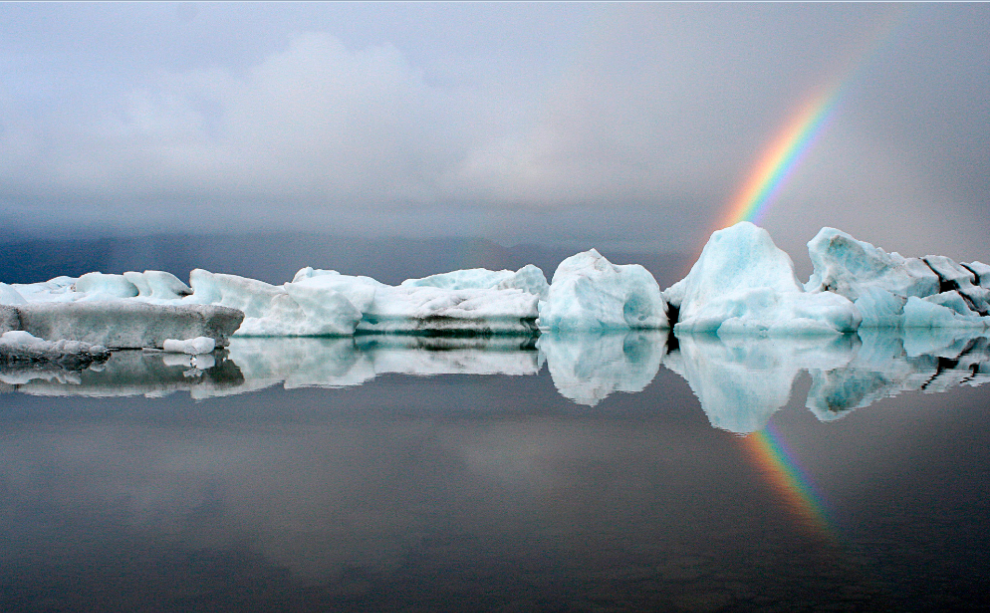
589	293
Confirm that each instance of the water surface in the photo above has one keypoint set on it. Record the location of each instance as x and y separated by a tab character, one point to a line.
595	473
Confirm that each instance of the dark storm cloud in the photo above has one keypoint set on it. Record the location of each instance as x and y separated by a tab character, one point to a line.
602	121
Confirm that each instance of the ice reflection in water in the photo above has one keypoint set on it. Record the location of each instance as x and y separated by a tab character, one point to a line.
323	499
739	381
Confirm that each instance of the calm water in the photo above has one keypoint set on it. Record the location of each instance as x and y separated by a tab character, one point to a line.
617	473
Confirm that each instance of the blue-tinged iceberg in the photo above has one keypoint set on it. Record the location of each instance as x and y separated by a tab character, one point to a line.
744	284
589	293
741	285
891	291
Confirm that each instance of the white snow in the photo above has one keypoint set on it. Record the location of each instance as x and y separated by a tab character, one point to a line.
744	284
589	293
193	346
23	345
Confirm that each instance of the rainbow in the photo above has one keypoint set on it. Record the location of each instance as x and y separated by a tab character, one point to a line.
776	165
774	459
781	158
792	143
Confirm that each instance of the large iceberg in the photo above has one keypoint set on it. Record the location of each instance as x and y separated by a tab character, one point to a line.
589	293
891	291
744	284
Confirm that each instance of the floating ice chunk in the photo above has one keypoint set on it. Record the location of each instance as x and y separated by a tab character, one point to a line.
359	291
59	289
529	278
126	324
589	293
586	368
846	266
193	346
744	284
157	285
9	295
295	309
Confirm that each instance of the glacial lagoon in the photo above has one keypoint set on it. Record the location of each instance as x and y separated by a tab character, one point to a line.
617	472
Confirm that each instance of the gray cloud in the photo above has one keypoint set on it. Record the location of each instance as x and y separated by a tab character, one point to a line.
599	125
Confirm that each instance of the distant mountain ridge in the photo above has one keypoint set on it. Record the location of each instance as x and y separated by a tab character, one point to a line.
275	257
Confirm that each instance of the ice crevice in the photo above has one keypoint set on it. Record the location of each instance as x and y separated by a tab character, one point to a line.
742	285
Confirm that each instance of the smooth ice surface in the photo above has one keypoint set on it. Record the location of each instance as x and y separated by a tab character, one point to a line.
743	284
589	293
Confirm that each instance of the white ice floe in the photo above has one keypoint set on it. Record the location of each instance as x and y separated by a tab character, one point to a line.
10	296
192	346
293	309
589	293
744	284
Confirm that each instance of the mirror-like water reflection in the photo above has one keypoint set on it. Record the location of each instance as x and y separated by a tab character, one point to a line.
597	483
740	382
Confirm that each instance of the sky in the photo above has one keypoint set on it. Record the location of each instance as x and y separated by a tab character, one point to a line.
616	126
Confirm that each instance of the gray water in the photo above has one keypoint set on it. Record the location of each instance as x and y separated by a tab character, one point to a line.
612	473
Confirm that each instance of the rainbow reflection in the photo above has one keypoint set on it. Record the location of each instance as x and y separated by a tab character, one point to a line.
774	459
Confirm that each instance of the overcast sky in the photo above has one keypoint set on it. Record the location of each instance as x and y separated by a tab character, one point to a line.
594	124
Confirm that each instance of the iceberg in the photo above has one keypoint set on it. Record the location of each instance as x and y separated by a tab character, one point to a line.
891	291
846	266
121	324
193	346
529	279
589	293
744	284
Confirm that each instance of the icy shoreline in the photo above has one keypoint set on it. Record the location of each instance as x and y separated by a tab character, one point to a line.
742	284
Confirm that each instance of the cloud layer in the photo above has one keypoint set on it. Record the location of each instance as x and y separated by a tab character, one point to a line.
644	114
